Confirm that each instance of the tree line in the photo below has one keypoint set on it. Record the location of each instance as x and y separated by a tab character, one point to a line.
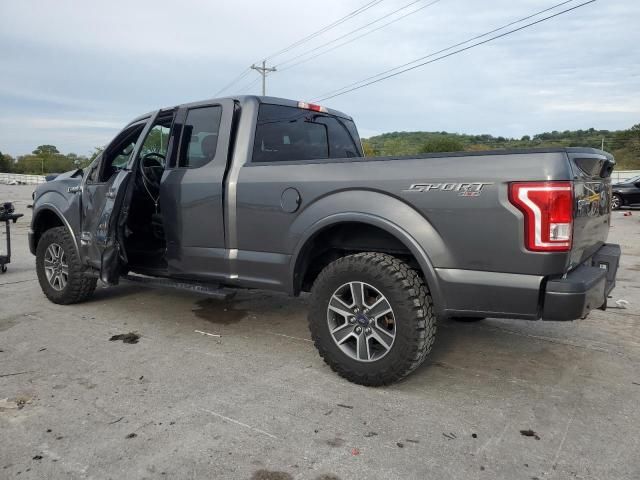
45	159
623	144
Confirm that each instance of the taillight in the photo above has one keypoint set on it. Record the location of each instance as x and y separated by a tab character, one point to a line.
548	214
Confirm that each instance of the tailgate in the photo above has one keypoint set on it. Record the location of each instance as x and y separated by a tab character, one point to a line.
592	192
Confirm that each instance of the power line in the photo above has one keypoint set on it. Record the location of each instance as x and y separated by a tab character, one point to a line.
355	31
313	35
451	47
340	21
360	84
244	73
244	89
304	60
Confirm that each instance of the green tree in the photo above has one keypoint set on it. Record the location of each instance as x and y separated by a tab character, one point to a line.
78	161
442	144
368	149
48	159
46	150
6	163
393	146
96	151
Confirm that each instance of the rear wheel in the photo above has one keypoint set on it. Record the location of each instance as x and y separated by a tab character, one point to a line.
371	318
616	202
60	273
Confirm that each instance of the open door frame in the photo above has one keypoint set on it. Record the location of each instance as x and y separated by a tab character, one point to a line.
103	245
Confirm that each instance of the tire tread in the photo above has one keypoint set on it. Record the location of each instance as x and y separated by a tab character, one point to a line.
382	265
79	286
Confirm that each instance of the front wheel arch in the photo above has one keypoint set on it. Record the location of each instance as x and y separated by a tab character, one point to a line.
48	217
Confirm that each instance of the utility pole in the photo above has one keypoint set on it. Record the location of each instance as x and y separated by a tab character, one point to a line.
263	70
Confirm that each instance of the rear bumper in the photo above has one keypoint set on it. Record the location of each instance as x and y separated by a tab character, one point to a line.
581	290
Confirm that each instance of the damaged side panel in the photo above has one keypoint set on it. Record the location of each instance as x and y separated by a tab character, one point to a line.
98	241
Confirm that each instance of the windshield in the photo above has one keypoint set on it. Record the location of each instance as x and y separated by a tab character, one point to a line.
632	180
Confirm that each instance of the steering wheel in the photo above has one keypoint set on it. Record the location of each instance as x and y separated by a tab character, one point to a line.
151	168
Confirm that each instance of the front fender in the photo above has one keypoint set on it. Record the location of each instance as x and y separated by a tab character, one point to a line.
66	209
380	210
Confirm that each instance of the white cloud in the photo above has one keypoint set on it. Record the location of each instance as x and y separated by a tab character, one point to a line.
52	123
76	69
595	107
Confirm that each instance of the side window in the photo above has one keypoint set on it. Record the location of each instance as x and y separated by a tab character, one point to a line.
157	140
122	157
92	170
293	134
287	133
341	144
199	140
117	154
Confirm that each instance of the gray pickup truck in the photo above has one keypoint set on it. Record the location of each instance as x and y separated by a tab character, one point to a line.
261	192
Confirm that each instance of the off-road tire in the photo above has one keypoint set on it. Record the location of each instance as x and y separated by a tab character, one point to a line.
412	307
79	287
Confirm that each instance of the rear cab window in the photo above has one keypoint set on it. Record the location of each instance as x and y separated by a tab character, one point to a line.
290	134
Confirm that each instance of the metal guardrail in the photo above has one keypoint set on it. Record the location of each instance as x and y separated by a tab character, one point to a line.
21	179
618	176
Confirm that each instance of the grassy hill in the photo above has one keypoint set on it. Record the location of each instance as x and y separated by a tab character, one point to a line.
624	144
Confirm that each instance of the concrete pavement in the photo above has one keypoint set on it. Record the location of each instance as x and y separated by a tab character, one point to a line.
258	402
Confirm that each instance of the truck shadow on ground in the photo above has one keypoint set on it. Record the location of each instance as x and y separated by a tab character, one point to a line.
501	349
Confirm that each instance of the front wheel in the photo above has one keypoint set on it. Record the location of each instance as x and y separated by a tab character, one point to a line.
616	202
60	273
371	318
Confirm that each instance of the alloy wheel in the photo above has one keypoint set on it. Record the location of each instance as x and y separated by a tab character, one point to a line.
56	268
361	321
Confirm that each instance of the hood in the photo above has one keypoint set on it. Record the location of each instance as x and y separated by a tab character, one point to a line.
61	183
77	173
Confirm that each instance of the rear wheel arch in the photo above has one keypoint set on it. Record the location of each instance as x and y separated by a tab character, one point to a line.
386	237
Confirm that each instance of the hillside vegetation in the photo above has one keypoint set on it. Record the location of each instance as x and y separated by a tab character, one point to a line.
623	144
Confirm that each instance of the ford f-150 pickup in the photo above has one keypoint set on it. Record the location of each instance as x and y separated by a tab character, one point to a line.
267	193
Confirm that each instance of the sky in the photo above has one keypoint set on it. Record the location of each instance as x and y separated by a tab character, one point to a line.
73	73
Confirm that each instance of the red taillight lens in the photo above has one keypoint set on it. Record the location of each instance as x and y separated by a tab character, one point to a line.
548	214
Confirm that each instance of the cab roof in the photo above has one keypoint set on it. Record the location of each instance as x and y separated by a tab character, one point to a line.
242	99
